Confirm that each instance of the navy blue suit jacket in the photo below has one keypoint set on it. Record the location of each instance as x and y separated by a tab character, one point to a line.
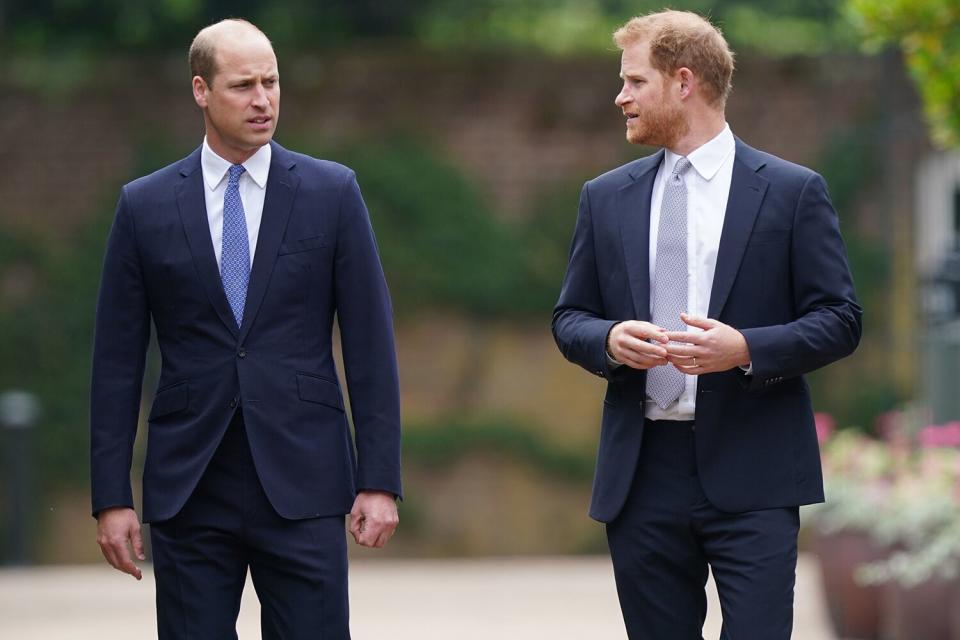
315	258
781	279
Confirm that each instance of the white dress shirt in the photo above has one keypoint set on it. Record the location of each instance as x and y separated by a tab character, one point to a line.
708	188
253	188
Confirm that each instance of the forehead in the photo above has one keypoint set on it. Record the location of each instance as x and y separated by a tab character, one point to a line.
245	55
635	58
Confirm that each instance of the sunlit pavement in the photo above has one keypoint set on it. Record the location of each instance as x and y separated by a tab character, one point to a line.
521	598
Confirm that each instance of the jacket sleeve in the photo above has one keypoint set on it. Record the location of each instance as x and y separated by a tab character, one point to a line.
828	317
579	325
365	317
122	330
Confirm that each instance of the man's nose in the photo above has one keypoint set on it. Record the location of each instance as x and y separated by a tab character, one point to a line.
260	96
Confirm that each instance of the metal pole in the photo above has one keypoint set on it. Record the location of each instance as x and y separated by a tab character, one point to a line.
19	411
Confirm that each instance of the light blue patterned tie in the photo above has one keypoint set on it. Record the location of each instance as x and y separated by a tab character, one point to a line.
235	254
669	297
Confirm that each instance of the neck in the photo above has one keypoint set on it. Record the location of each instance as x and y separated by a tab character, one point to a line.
232	155
704	127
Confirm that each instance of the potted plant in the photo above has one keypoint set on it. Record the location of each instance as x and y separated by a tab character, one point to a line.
920	523
857	474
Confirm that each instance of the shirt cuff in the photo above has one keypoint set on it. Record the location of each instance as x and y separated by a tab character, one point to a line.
613	364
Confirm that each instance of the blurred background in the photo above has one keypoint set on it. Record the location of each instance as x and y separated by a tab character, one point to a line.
472	125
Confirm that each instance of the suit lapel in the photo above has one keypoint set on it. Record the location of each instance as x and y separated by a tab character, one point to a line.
747	189
633	208
282	184
193	215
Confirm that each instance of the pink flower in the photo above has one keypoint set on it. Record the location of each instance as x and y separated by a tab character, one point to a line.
825	426
890	425
946	435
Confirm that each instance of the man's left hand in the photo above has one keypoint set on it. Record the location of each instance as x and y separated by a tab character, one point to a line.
718	347
373	518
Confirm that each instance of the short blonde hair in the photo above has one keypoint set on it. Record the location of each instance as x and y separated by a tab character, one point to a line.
684	39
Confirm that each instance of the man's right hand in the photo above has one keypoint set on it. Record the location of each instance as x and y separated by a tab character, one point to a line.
638	344
117	529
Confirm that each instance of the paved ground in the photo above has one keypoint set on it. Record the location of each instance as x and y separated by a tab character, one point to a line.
490	599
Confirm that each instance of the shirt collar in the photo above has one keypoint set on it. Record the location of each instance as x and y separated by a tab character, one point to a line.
707	158
215	168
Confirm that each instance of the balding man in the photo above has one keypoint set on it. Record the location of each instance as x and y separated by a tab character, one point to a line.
241	255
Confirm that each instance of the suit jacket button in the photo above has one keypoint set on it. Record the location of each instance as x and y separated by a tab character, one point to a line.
233	403
242	353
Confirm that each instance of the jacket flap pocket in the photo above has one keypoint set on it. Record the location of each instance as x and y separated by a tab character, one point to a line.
304	244
320	390
170	400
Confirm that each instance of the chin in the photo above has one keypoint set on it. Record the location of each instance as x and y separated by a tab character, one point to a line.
636	137
650	138
260	140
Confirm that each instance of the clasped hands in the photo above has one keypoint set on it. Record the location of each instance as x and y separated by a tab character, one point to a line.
642	345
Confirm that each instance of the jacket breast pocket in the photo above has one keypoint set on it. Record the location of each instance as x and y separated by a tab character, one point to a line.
313	388
304	244
169	400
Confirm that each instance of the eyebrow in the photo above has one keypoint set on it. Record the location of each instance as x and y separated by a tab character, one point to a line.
250	78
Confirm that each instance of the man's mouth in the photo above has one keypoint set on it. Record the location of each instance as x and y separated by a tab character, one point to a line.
260	122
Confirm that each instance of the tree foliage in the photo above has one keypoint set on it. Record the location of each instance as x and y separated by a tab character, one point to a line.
928	32
773	27
109	27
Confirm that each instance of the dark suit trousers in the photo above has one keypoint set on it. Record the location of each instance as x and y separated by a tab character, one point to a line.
668	534
201	557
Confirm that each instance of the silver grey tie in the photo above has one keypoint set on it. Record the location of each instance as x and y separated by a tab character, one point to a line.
669	295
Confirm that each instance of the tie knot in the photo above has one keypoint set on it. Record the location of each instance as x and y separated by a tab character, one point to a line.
236	170
681	167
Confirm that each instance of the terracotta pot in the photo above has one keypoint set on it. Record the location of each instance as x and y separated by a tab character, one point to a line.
955	611
854	609
920	612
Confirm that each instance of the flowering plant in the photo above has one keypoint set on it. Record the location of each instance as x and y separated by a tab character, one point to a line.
857	471
921	519
903	490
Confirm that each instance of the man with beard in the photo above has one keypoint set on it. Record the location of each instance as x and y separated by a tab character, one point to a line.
241	255
704	281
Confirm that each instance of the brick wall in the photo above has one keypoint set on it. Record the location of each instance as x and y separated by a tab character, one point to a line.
518	125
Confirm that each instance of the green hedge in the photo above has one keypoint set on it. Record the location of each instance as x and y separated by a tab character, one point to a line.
441	244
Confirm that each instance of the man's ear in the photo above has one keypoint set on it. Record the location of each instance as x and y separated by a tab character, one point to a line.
200	91
687	81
